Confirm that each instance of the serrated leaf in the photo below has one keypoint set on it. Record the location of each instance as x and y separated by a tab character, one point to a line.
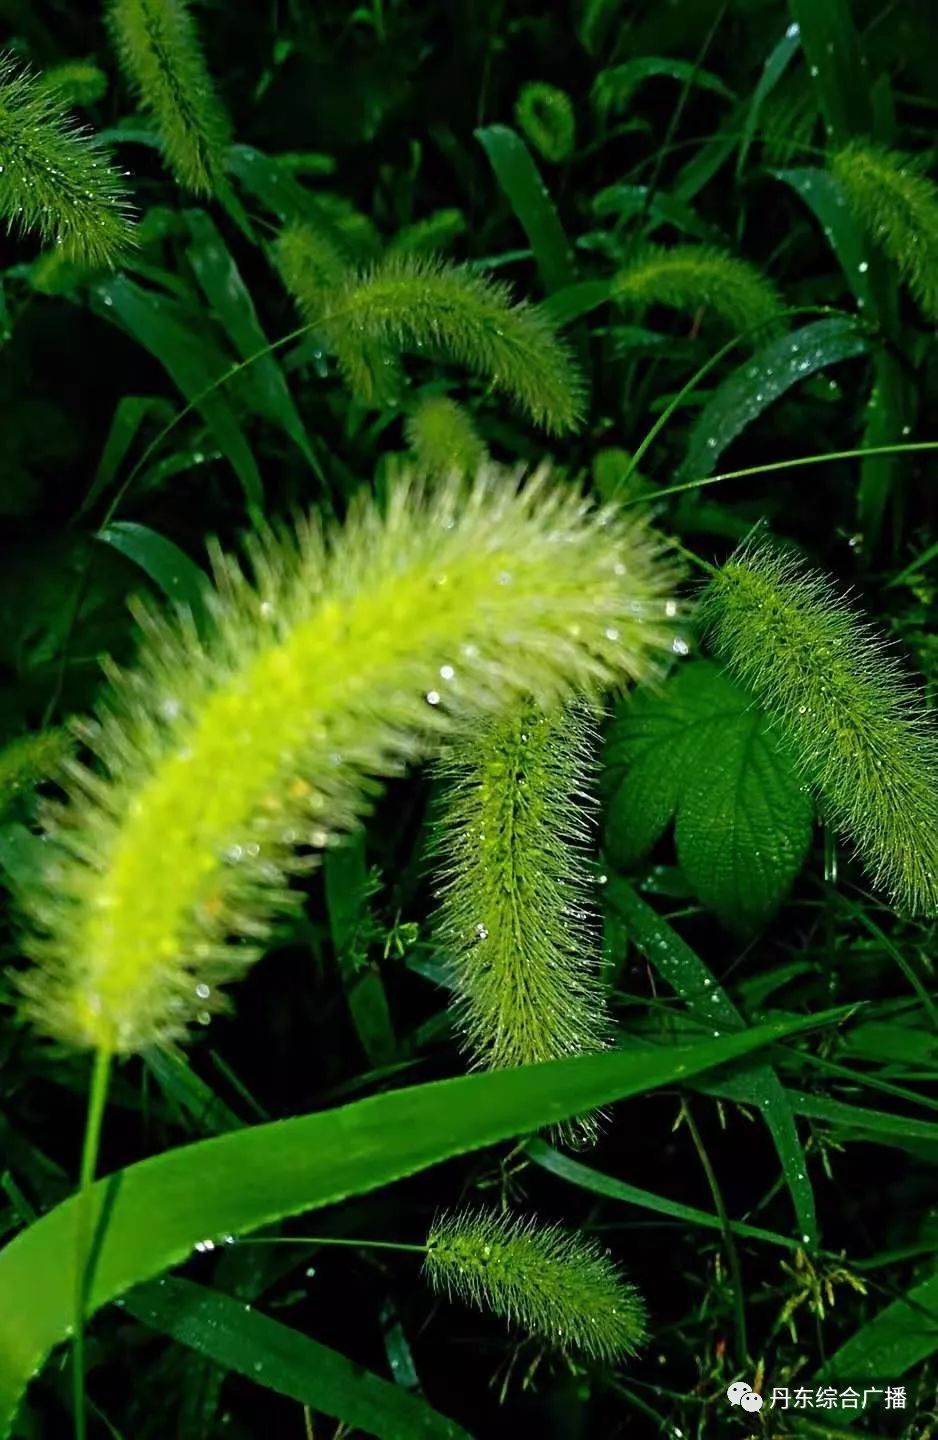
702	753
756	384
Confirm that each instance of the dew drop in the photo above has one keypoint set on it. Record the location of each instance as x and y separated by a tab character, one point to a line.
432	697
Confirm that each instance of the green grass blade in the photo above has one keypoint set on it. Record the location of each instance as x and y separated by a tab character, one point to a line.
687	974
832	50
170	568
242	1340
599	1184
885	1126
527	194
900	1336
194	364
130	413
576	300
760	381
777	62
231	301
150	1216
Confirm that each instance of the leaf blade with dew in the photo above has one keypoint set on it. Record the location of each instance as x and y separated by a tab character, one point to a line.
171	569
515	917
231	300
159	49
528	196
898	206
552	1283
708	1003
246	1342
350	651
769	373
156	1211
57	180
861	736
196	364
691	276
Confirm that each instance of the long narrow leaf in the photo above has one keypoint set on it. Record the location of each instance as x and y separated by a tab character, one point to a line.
150	1216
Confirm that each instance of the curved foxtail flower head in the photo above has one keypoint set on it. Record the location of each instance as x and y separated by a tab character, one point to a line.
225	760
555	1285
158	47
56	178
516	921
861	735
898	204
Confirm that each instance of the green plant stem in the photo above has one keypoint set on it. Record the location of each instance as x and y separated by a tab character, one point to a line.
334	1240
897	449
731	1251
97	1100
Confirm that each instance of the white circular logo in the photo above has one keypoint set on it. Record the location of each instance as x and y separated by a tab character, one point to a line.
741	1393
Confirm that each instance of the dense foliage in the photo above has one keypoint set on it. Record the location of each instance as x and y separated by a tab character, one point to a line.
468	754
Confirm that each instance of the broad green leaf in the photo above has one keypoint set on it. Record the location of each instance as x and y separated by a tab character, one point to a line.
700	751
614	87
149	1217
762	379
707	1002
168	567
231	301
194	363
527	194
241	1339
597	1183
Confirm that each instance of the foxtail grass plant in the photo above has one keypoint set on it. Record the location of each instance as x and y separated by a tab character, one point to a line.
225	761
861	735
558	1287
56	179
517	920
